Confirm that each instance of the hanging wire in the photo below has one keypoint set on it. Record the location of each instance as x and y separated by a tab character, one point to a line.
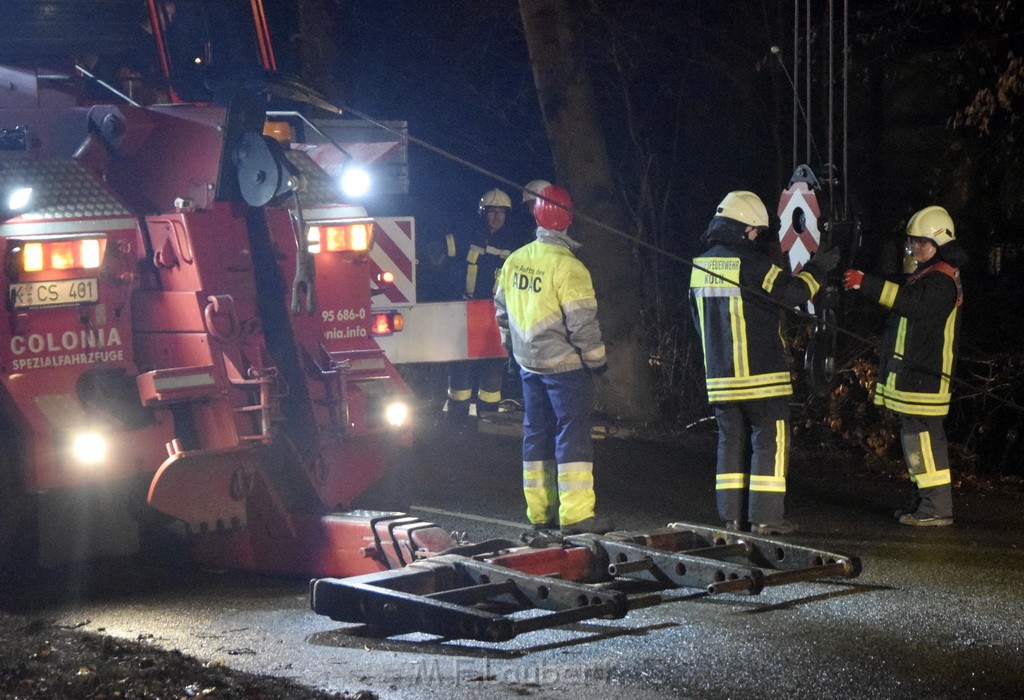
831	113
796	68
798	105
846	109
754	292
807	71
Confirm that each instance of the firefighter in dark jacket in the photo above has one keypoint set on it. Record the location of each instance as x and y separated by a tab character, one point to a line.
475	264
738	295
917	357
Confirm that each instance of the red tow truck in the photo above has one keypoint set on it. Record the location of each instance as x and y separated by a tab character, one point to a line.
188	343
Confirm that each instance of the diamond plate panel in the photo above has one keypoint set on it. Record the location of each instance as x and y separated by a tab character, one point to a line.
61	189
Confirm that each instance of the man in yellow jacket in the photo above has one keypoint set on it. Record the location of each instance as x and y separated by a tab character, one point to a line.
547	312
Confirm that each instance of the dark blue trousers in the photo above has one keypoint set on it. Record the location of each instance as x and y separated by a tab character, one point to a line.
556	441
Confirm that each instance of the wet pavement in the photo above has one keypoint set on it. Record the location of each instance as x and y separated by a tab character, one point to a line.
937	612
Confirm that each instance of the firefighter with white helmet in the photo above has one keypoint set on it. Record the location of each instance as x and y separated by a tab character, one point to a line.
737	292
530	192
547	312
475	264
918	355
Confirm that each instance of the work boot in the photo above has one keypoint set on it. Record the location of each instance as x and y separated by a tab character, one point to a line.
549	525
911	507
734	525
925	520
597	525
783	527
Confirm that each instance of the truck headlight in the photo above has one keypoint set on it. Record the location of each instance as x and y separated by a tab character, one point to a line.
89	448
397	414
355	182
19	198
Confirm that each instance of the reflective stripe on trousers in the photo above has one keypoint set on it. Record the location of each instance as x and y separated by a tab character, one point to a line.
927	455
483	375
556	436
753	492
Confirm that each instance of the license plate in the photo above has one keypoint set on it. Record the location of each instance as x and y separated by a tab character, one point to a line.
53	293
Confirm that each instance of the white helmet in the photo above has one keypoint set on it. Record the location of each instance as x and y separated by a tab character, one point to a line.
745	207
494	198
533	188
933	223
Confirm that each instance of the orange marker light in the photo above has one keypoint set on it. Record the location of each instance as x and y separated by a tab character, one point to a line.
340	238
32	257
381	324
74	254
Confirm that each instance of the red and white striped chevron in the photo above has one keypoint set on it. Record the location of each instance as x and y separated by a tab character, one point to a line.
394	251
799	245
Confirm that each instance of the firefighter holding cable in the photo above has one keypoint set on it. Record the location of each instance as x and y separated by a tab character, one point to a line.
737	295
917	357
547	312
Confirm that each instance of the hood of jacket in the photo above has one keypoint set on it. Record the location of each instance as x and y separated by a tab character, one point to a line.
546	235
722	229
953	253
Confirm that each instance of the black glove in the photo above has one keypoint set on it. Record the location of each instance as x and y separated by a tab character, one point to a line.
598	371
824	261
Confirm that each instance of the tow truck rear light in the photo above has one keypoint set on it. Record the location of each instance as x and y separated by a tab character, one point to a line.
387	322
340	238
62	255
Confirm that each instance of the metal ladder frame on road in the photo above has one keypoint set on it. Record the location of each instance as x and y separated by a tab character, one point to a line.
457	594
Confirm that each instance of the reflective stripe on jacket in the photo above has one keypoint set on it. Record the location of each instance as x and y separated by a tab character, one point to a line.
920	343
744	357
546	308
483	257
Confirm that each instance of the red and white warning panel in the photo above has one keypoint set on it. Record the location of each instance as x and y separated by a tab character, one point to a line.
445	331
799	235
394	251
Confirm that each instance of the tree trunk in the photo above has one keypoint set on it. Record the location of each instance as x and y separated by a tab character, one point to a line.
318	29
581	163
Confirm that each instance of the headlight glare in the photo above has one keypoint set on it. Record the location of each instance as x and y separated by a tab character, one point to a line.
89	448
397	414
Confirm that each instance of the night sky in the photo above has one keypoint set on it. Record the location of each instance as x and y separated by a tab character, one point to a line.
461	79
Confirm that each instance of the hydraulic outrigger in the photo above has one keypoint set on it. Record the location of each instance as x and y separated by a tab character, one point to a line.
483	591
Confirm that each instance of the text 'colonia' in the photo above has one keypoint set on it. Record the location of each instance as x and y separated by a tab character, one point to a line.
66	341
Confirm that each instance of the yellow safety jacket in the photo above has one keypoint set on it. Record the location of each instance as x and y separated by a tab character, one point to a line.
546	308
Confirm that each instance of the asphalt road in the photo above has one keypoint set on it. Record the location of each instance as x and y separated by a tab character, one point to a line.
936	613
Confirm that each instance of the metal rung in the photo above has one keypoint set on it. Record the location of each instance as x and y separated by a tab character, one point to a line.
248	409
474	594
562	617
811	573
443	594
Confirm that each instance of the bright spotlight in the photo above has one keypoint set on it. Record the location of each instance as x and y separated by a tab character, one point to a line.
355	182
19	198
89	448
397	414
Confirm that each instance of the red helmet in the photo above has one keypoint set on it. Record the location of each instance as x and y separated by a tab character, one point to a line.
553	209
